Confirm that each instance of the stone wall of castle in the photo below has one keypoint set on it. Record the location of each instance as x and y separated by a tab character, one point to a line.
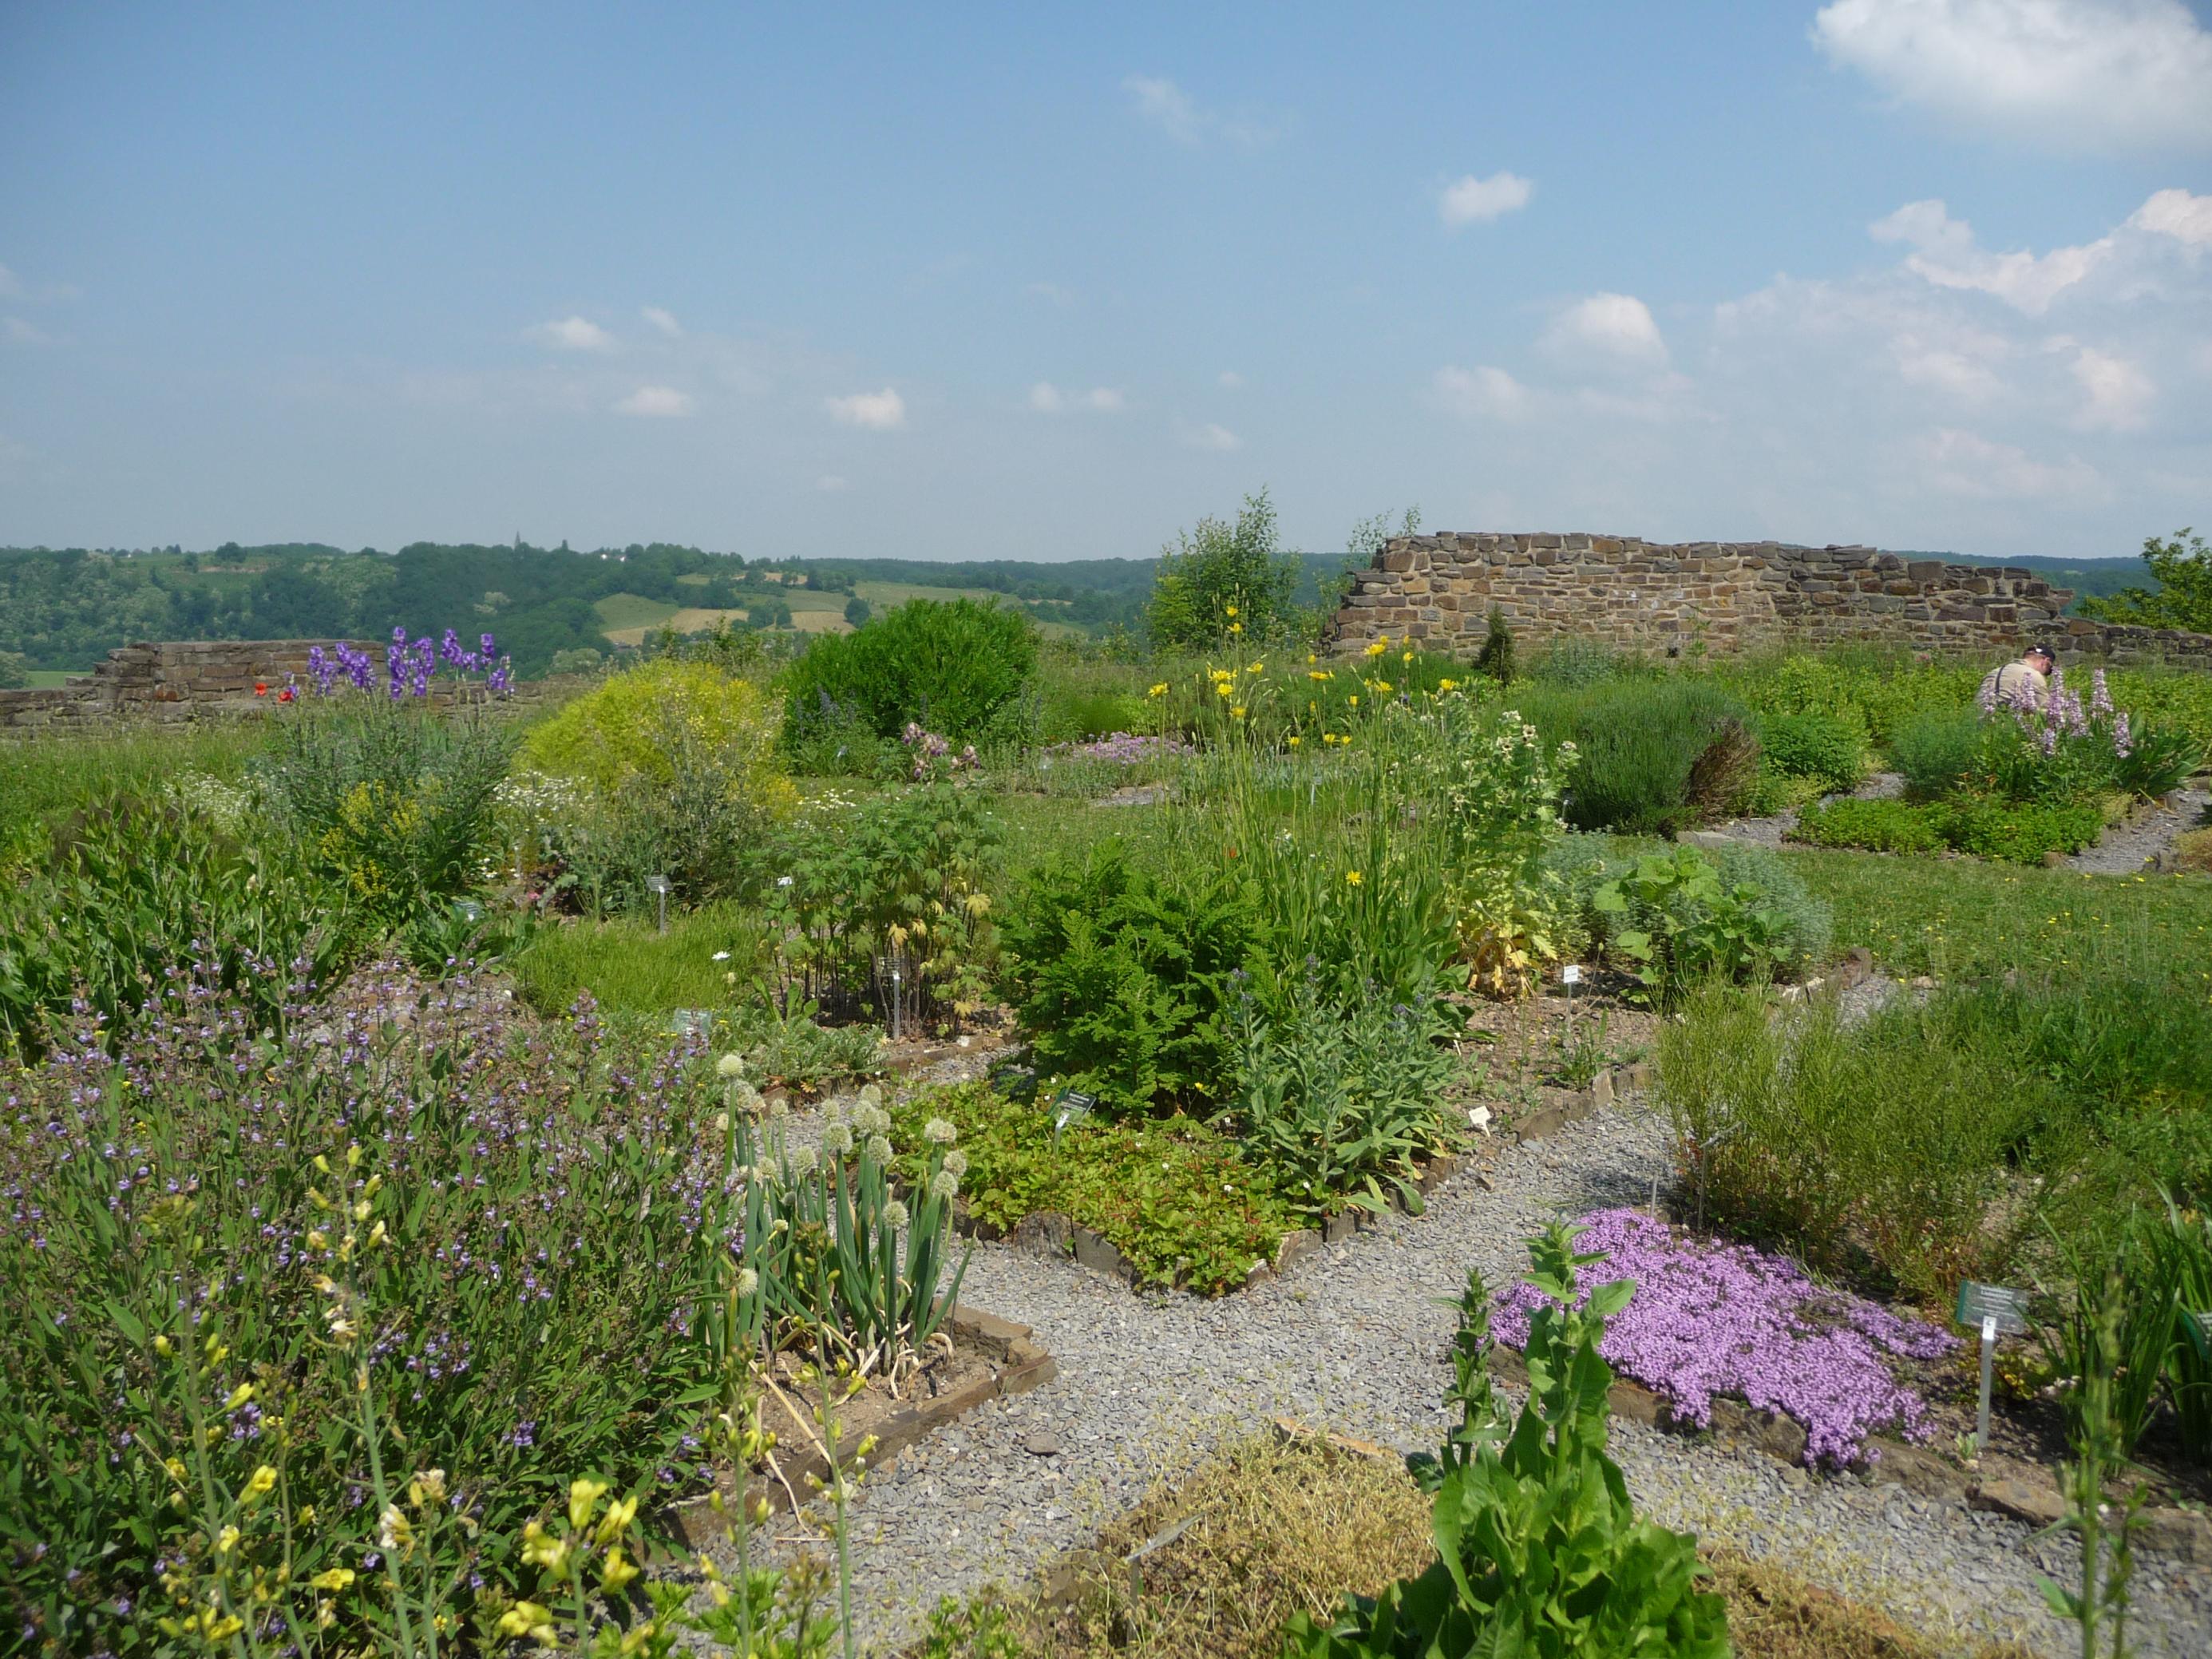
1638	596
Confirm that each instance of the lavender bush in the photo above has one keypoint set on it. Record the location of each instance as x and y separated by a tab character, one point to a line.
1712	1319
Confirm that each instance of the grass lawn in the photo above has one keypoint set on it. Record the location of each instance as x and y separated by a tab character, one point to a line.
1958	918
49	679
43	780
629	967
883	595
626	611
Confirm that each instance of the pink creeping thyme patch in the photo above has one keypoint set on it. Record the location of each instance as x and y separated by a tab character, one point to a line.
1712	1319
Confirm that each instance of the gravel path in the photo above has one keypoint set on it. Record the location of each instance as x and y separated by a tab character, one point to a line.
2124	852
1355	1340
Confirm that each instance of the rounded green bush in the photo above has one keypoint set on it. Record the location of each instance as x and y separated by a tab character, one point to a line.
956	666
642	727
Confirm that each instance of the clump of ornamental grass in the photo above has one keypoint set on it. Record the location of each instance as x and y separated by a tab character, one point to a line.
1712	1319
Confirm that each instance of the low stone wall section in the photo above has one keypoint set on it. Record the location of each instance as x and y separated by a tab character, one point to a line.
1632	595
194	680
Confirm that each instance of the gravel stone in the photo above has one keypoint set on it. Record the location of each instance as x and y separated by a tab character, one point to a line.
1355	1339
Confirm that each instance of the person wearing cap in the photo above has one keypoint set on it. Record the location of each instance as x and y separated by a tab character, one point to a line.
2019	684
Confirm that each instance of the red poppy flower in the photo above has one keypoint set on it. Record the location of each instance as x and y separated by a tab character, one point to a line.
260	689
285	695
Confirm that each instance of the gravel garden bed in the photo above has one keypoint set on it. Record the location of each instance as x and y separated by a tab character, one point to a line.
1357	1339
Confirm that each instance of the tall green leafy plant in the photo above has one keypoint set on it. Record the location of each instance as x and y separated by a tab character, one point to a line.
1341	1099
1123	977
1539	1550
1224	581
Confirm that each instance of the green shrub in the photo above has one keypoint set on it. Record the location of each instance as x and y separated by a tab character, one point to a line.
956	666
1539	1548
1124	980
1571	663
902	886
1880	826
1674	922
1640	744
1339	1101
1938	753
678	760
1179	1201
2016	835
1828	748
1885	1152
643	728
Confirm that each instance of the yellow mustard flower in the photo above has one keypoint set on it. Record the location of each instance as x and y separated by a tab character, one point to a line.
1353	879
1377	648
1158	690
1237	712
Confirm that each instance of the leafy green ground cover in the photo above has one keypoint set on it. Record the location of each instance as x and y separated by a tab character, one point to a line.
1180	1200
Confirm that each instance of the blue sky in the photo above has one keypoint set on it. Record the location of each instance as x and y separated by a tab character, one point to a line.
1050	281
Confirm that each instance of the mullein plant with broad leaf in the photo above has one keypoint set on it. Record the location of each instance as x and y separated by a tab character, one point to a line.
1537	1547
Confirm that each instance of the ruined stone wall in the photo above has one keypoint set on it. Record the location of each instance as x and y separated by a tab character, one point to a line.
203	680
1638	596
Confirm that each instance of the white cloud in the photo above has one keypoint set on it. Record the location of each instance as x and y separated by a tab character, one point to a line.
1230	379
1048	400
664	322
1482	393
1166	105
1474	201
1611	326
574	334
1944	253
2119	393
829	483
2177	214
1210	436
655	400
18	332
2101	74
1961	463
877	411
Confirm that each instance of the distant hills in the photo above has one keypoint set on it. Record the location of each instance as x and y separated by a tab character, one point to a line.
64	609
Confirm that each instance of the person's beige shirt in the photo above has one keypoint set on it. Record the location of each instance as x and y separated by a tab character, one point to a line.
2014	675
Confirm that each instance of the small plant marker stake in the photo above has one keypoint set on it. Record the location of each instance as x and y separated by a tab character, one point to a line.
899	998
658	885
1571	976
1997	1310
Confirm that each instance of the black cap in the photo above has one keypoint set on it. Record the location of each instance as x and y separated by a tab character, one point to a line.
2042	650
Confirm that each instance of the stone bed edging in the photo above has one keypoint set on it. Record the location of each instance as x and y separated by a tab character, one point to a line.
1019	1364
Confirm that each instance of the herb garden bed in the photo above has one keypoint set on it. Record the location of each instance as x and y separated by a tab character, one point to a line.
987	1358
